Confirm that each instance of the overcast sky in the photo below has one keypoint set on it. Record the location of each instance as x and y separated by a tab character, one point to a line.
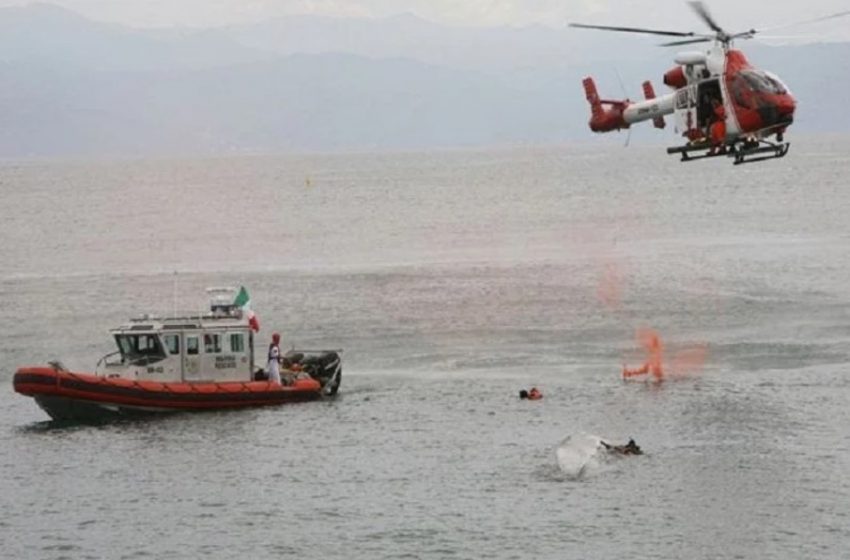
734	15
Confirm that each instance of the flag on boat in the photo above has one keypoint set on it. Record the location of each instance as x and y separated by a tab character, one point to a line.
243	300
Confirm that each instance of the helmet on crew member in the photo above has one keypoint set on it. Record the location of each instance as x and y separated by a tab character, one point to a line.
276	338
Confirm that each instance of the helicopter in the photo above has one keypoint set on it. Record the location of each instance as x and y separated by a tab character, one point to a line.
722	104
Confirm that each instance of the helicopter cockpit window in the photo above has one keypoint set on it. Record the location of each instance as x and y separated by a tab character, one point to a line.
762	82
742	93
140	349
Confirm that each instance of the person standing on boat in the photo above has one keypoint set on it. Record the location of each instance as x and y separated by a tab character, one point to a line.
273	367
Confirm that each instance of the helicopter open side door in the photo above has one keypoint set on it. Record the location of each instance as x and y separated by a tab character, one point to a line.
694	111
707	92
686	113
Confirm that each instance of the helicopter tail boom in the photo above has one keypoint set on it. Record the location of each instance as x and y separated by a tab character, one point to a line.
607	115
652	109
649	93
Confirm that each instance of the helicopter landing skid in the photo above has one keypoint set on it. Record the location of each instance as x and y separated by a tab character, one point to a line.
768	150
746	152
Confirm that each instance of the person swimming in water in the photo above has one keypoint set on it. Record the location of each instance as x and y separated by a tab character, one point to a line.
532	395
631	448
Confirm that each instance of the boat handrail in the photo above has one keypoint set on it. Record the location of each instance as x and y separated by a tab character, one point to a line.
333	378
236	314
103	360
57	365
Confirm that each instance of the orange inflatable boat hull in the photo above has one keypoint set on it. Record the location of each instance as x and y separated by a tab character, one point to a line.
67	395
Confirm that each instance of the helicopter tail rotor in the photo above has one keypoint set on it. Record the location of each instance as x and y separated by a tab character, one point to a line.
604	119
592	96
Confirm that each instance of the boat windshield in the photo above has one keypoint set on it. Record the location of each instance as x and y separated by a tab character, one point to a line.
140	349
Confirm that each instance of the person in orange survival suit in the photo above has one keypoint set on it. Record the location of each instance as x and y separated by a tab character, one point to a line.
532	395
718	127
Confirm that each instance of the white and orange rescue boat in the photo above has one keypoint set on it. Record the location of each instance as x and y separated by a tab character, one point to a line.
189	363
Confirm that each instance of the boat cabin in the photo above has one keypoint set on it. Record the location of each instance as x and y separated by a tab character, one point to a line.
217	346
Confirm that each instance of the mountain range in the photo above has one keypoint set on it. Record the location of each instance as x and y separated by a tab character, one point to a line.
70	86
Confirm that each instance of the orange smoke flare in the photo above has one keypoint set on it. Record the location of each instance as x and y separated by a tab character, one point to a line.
609	290
689	360
683	362
651	342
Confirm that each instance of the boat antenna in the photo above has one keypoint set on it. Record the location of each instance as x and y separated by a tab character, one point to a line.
174	296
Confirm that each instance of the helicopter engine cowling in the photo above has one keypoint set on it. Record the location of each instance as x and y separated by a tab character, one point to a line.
675	78
691	58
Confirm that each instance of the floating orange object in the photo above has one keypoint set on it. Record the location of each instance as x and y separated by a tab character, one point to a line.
651	342
533	395
643	370
684	361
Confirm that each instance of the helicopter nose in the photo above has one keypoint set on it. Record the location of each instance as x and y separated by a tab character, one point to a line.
778	111
785	107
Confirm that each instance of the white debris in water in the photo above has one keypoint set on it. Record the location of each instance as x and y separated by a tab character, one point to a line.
579	454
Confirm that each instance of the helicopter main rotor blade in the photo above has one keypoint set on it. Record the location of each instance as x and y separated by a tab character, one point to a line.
687	42
702	12
635	30
807	21
784	37
752	32
744	34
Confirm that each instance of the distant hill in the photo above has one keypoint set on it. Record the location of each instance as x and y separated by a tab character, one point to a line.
301	102
72	86
408	36
48	34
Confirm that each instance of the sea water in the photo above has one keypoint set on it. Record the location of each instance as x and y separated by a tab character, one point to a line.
451	280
